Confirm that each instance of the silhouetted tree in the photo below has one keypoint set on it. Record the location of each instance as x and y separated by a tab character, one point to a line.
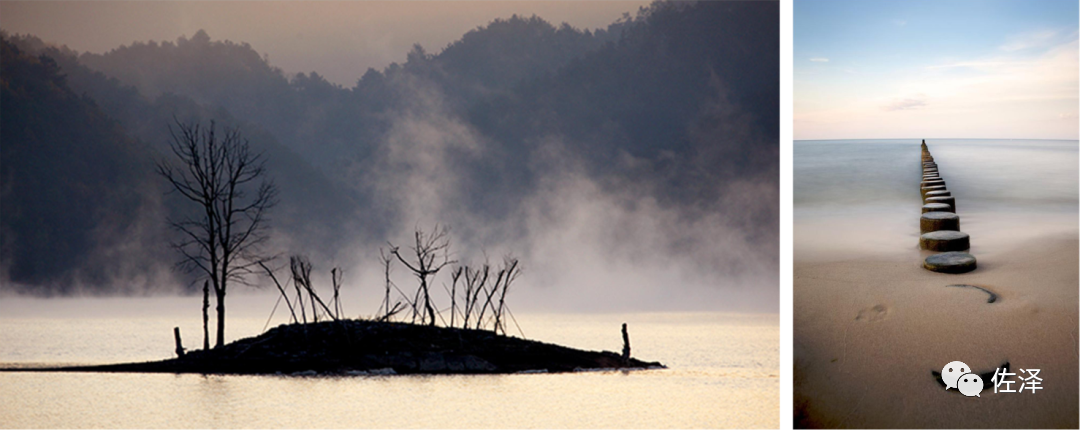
218	173
431	252
301	275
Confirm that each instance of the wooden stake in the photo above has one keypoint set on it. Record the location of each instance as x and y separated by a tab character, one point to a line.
625	344
179	344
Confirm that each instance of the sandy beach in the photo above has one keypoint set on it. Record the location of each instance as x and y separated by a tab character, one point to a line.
868	333
870	324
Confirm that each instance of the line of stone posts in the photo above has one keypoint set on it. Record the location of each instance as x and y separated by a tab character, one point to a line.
939	227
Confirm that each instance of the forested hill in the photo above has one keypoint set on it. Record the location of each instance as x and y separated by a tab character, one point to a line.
72	180
324	121
677	105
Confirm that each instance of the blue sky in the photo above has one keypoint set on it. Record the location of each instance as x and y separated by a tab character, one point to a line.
936	69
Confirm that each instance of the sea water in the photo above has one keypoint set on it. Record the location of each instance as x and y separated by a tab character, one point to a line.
723	373
860	198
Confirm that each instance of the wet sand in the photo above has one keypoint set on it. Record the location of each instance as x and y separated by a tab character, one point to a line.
869	330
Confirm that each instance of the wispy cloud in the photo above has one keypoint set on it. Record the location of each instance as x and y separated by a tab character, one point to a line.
973	64
1037	39
900	22
1005	94
820	60
908	103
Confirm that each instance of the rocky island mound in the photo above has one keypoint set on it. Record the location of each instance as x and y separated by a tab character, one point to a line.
357	347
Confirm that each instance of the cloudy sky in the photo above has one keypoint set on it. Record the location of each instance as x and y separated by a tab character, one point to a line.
339	40
935	69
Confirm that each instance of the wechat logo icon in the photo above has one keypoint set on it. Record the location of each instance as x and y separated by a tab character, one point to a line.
958	375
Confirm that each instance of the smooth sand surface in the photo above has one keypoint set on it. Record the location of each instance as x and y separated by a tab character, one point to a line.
869	330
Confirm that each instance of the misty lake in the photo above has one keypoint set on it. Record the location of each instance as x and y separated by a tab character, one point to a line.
723	372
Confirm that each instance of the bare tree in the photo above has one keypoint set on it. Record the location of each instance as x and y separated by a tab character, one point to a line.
301	276
510	268
455	275
301	272
475	282
480	302
431	252
228	182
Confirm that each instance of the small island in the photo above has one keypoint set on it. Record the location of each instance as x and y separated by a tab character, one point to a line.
359	347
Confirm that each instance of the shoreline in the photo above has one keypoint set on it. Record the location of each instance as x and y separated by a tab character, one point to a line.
869	332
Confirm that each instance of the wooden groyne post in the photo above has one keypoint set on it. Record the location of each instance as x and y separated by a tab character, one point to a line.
939	227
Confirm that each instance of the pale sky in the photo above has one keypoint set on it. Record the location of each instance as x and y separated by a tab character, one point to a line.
936	69
339	40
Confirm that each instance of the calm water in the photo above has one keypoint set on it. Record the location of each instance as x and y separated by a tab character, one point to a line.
861	197
723	373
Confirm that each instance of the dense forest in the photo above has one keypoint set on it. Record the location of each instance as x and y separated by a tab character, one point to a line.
675	110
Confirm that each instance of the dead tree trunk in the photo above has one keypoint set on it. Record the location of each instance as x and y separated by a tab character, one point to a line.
487	303
206	315
454	276
335	278
511	266
299	295
220	318
473	286
385	259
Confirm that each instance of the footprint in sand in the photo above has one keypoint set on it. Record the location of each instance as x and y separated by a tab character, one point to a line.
876	313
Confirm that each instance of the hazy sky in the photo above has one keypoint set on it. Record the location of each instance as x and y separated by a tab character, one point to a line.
339	40
935	69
